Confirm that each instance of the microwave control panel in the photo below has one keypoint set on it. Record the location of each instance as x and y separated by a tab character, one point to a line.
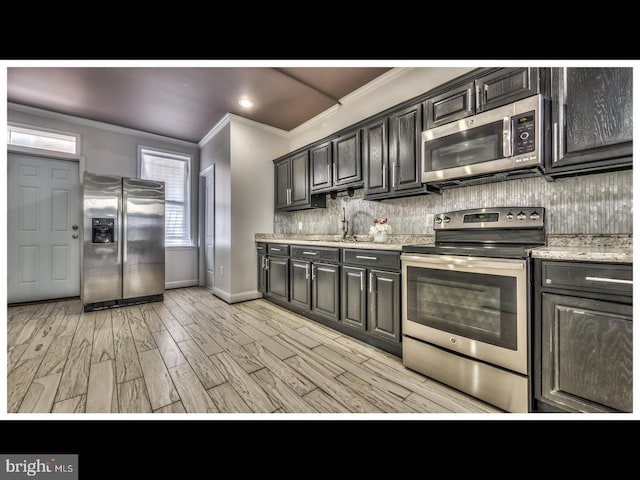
524	128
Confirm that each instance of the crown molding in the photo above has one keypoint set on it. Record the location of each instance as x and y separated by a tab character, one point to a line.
245	121
374	84
96	124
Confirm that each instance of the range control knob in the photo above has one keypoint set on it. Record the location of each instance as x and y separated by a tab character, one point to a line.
521	216
438	220
446	219
509	216
534	216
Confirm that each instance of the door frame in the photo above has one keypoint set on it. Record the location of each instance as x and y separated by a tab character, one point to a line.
80	162
202	178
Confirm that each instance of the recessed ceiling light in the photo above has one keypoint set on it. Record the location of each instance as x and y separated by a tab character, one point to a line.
245	103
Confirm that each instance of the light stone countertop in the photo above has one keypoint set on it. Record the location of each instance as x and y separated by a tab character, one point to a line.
394	243
587	254
592	248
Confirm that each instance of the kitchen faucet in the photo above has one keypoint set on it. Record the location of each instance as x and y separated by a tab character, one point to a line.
345	224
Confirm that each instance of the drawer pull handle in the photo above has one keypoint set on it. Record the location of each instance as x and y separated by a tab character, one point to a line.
275	249
609	280
309	253
364	257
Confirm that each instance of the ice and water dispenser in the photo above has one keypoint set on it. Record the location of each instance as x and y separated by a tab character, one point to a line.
102	230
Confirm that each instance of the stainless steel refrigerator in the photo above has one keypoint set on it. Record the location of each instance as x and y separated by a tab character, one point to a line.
123	246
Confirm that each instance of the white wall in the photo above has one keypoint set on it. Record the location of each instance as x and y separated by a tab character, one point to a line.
391	88
217	152
241	152
113	150
252	152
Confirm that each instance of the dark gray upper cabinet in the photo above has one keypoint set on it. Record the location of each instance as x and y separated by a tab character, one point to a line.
282	183
405	130
347	163
505	86
492	90
292	184
592	113
321	167
375	157
449	106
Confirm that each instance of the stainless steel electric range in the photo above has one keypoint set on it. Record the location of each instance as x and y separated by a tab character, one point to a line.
466	302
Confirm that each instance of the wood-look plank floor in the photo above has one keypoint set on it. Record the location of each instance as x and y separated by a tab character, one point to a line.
194	353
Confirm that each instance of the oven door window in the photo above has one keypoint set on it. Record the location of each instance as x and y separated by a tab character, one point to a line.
477	306
476	145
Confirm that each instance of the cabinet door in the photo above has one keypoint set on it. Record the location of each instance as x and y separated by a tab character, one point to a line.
592	116
282	182
262	273
278	278
375	157
299	180
384	305
587	354
449	106
405	130
321	167
325	280
505	86
347	164
300	284
354	297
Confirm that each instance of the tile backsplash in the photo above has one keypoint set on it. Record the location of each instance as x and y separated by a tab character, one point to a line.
588	204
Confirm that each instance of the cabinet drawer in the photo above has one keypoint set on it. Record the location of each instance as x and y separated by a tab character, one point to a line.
607	278
278	249
372	258
261	247
327	254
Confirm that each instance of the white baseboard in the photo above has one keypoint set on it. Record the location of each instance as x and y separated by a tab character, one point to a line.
236	297
181	283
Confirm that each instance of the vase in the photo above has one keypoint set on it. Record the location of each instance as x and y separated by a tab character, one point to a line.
380	237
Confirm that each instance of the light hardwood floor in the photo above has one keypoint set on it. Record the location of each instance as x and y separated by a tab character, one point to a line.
195	353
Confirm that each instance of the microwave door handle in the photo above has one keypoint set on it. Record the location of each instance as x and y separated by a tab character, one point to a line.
506	137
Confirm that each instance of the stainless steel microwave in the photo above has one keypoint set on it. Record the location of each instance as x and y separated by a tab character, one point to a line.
502	139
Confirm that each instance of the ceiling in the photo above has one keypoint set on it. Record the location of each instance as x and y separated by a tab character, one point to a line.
185	103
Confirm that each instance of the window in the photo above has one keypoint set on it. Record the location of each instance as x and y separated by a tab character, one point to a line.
25	139
172	169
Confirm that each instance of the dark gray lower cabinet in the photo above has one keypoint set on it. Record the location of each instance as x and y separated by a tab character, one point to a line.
587	354
278	277
354	297
371	297
583	342
300	284
262	273
314	287
325	288
384	305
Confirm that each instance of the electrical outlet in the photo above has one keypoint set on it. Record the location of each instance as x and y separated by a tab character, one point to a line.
429	219
299	225
221	271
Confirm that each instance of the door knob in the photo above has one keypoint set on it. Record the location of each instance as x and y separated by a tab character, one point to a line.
75	227
75	235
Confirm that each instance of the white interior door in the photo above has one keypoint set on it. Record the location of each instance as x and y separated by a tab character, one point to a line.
208	228
43	220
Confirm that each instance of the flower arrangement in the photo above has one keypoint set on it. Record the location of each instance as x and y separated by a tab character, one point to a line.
379	226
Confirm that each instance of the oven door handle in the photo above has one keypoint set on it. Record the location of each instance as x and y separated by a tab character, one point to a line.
472	262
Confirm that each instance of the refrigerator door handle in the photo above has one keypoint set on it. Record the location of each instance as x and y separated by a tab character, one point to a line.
123	237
